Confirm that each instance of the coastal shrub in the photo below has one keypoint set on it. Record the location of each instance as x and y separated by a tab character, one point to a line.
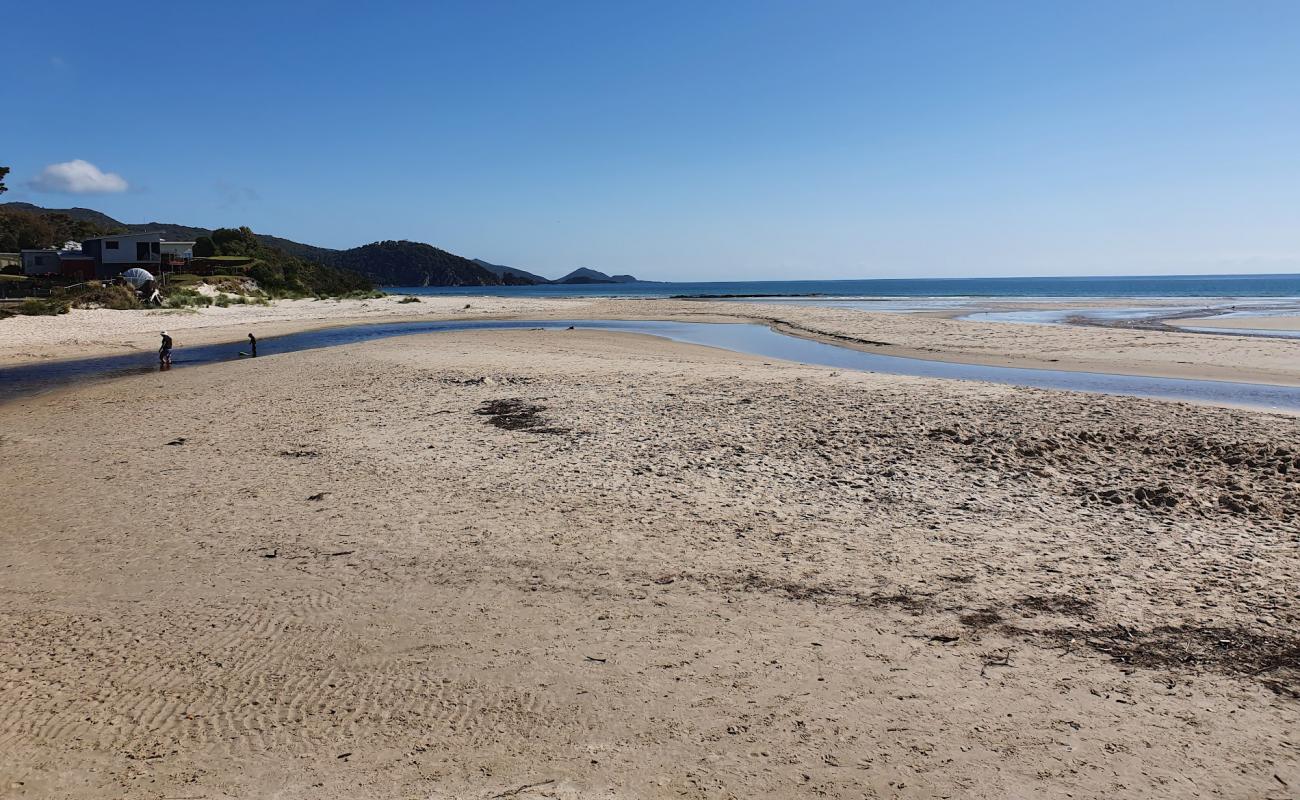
227	300
184	297
42	307
97	295
361	294
91	295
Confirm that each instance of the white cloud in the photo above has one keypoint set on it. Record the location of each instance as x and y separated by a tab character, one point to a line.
78	177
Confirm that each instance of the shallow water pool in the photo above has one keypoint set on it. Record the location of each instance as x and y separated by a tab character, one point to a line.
747	338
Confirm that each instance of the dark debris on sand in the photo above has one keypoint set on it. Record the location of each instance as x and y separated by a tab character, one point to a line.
514	414
1274	660
1186	472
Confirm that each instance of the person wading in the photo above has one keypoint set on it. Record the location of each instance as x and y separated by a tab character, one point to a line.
252	345
165	352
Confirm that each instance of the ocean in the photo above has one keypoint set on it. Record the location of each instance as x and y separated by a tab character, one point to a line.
1169	286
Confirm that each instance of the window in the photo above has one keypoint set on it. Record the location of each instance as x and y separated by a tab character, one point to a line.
141	251
40	261
153	247
110	244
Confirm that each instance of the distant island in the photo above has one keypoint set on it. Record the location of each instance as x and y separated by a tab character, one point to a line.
516	276
385	263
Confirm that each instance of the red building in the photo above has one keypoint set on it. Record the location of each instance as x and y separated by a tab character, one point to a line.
75	265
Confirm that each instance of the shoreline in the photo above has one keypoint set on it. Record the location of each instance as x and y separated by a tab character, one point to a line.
1012	345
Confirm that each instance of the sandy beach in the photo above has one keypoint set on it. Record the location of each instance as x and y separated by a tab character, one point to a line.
83	333
574	564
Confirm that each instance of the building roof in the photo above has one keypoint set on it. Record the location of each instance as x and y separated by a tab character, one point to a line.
189	243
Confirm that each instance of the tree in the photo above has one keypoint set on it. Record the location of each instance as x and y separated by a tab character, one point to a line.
204	247
20	230
235	241
68	229
3	172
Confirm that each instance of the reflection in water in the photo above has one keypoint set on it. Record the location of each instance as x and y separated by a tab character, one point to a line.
742	338
1069	310
1063	316
1243	309
1269	333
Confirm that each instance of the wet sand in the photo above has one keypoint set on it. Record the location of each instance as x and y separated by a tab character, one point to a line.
1090	349
578	564
1261	323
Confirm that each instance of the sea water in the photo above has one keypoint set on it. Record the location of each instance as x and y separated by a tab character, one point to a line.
1171	286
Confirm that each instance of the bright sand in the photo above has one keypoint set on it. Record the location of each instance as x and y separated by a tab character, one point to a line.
1093	349
669	571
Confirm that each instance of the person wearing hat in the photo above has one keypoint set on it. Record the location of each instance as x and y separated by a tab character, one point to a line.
165	352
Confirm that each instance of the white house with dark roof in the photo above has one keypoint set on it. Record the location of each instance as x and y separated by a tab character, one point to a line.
125	250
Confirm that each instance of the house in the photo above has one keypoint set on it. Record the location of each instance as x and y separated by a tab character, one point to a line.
114	255
40	262
70	263
106	257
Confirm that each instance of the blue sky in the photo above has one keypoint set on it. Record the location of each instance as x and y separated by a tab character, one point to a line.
684	141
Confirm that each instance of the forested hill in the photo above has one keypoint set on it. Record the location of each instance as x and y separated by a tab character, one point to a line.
512	275
391	263
387	263
403	263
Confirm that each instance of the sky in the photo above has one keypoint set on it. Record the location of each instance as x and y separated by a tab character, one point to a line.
682	140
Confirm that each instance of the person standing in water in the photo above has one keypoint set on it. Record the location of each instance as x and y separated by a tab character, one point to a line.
252	345
165	352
